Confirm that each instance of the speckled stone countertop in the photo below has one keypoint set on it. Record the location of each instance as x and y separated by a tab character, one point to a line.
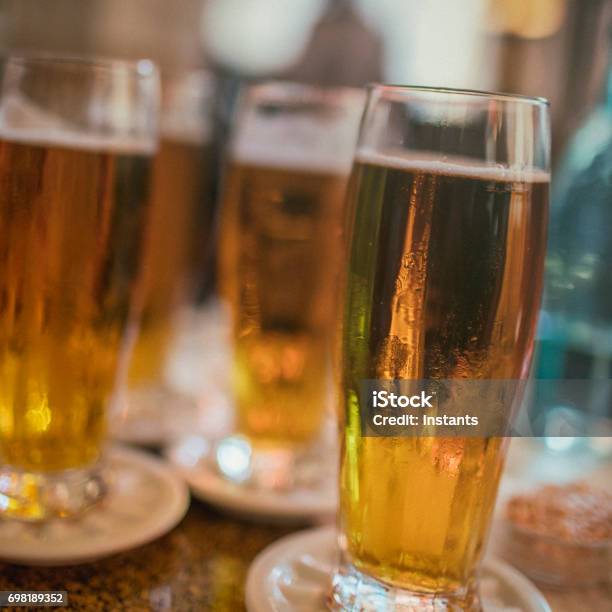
201	565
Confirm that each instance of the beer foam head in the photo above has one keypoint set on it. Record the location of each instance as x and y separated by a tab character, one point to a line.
22	122
85	142
321	160
305	142
451	165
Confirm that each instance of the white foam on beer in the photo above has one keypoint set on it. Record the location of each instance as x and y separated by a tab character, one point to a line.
25	123
451	165
324	161
75	140
300	142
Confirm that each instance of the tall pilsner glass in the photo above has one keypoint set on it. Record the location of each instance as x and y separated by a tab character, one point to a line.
179	232
76	140
448	210
281	249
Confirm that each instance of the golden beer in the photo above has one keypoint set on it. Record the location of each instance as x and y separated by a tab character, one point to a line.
71	220
444	282
180	226
279	260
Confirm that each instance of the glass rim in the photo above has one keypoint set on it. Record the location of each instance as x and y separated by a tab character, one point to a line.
142	67
286	89
475	93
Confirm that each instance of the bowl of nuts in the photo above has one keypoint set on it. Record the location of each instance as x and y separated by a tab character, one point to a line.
560	535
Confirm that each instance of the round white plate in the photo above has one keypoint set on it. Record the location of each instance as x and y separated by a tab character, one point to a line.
146	500
294	573
191	458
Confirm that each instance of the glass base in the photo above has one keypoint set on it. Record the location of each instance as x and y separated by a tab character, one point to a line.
30	496
353	590
237	459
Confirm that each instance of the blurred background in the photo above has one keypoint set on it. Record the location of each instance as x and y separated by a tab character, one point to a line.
551	48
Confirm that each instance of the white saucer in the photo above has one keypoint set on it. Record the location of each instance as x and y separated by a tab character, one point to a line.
146	500
294	573
192	459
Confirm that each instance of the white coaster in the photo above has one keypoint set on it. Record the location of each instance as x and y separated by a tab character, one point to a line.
146	500
295	572
192	458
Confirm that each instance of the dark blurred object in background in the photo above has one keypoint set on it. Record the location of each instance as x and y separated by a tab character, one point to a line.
555	49
576	321
343	50
166	32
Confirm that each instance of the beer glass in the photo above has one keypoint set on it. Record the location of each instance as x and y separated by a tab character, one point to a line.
281	246
177	241
447	214
76	140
